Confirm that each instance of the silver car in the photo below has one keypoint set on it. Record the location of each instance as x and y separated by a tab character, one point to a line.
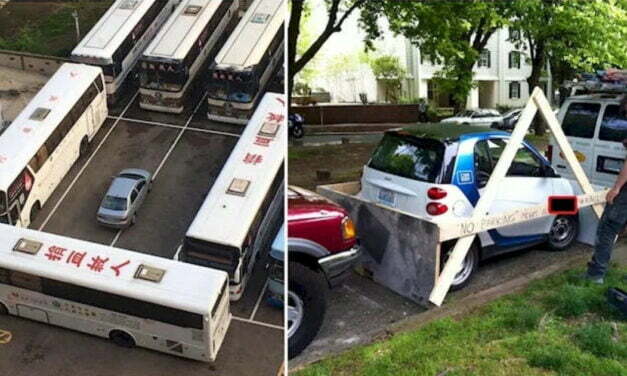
124	197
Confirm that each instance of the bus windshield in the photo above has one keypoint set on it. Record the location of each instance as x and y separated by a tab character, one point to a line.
240	88
166	77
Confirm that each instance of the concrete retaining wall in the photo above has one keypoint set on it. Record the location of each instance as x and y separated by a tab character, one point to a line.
42	64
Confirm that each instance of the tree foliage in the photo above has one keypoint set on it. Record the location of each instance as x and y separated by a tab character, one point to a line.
390	74
451	33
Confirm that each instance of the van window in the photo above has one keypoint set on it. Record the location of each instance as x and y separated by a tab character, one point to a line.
613	125
409	157
581	119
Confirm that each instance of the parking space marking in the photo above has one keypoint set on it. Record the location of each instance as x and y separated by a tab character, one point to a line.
116	238
91	157
178	138
157	123
260	323
263	292
5	337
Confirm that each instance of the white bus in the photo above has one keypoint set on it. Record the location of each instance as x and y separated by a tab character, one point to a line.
246	62
40	146
244	208
178	52
120	37
131	298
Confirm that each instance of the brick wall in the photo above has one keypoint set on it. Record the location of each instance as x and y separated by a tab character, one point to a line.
364	114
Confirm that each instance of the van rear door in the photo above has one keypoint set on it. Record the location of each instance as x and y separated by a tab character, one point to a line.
579	121
609	153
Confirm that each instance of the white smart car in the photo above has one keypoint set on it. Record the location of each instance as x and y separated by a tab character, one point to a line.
479	117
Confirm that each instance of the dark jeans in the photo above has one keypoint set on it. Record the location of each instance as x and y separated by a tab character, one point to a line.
611	224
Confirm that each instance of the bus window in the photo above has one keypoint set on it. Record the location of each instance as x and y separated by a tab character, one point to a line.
26	281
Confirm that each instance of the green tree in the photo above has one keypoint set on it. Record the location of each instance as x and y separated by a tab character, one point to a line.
298	57
452	33
390	73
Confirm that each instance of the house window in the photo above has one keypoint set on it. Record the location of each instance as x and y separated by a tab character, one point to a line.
514	60
484	59
514	90
514	34
430	90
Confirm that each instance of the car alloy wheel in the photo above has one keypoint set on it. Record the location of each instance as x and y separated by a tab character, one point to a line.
295	312
563	232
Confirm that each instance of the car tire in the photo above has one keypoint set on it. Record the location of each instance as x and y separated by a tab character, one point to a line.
310	288
563	233
3	310
122	339
83	149
298	131
34	211
469	267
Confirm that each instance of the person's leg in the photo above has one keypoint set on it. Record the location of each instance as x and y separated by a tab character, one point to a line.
610	225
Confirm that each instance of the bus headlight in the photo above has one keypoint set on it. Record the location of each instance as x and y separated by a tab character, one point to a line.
348	229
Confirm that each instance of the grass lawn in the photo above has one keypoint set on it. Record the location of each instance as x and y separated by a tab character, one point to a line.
558	326
346	161
47	28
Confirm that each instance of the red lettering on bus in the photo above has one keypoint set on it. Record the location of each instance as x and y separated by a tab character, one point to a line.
97	264
76	258
55	253
117	268
253	159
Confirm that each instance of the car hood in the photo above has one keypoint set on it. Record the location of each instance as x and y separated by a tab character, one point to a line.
303	204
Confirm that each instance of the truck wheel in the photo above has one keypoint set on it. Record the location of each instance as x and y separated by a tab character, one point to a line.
306	305
122	339
563	232
469	266
298	131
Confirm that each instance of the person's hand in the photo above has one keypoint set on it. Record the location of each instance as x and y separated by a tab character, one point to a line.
611	195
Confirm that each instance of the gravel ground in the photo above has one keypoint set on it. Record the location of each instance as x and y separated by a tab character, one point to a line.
17	88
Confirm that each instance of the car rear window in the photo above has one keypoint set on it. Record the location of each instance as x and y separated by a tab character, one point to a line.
409	157
613	125
581	119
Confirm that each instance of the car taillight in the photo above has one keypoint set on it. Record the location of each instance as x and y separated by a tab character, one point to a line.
549	153
348	229
436	193
436	208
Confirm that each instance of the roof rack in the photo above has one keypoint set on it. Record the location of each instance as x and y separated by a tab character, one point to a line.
607	81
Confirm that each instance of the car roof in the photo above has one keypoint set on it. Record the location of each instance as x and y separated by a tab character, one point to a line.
121	187
598	97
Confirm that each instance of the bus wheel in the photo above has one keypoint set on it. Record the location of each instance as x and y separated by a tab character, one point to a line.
3	309
84	148
34	211
122	339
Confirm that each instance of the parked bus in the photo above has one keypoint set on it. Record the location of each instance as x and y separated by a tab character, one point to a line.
38	149
244	208
131	298
244	65
175	56
120	37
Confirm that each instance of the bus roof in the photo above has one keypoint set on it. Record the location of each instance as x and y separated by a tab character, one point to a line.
21	141
225	218
183	286
112	29
182	29
252	36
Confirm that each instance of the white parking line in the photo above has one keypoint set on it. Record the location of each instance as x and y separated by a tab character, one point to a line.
157	123
178	138
91	157
257	323
165	158
263	291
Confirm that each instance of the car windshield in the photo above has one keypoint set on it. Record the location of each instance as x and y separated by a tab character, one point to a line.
114	203
465	114
409	157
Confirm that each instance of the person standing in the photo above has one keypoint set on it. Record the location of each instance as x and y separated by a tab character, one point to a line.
611	224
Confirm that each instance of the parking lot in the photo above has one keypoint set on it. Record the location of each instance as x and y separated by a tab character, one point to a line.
185	153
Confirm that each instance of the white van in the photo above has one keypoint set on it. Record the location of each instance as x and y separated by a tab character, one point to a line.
595	126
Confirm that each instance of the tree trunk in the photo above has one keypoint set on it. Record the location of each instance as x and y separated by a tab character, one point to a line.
537	66
292	40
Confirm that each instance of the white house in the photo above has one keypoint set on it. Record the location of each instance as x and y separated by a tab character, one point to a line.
500	75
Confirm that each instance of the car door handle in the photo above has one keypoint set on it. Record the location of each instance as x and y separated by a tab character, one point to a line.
561	166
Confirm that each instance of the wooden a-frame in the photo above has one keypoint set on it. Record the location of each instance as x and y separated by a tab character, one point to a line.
537	102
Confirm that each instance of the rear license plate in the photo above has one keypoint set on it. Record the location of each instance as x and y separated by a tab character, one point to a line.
387	197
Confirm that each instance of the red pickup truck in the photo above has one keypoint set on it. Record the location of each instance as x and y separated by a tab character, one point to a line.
322	250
